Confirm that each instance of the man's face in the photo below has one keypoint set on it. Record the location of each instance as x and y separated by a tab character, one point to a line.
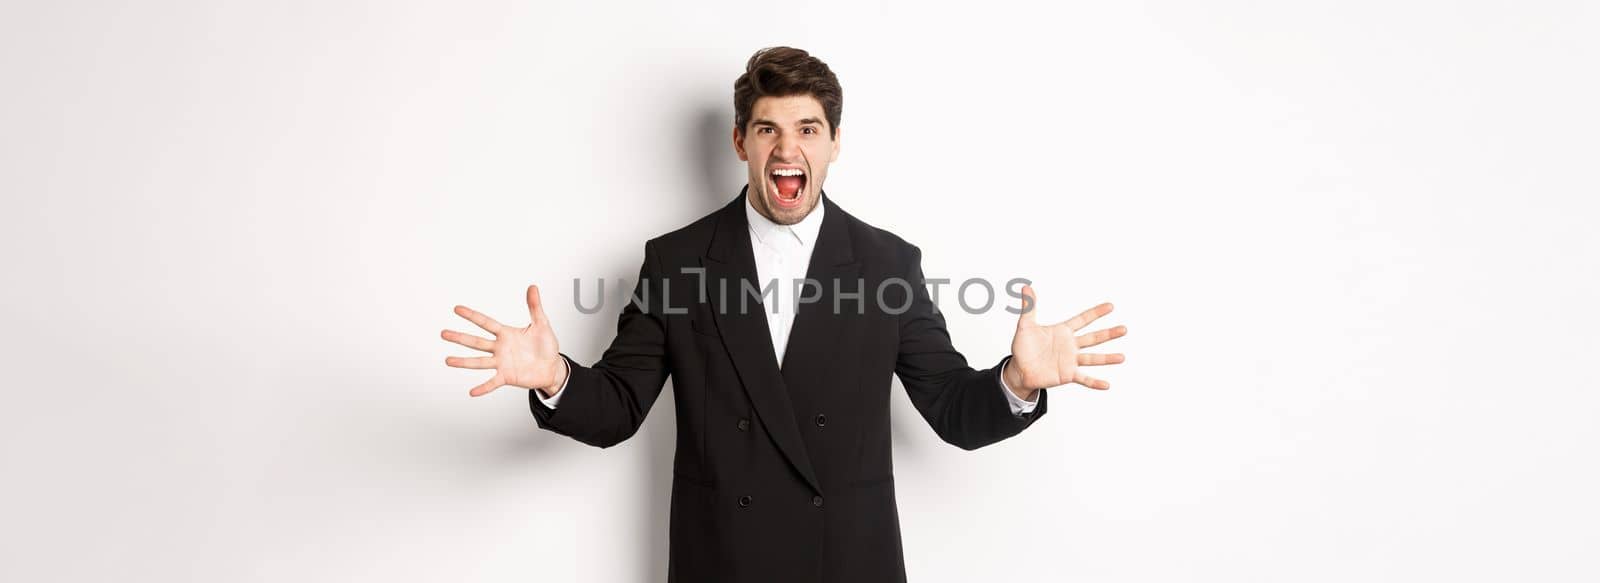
788	147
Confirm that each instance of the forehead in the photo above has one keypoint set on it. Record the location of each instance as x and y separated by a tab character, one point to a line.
787	109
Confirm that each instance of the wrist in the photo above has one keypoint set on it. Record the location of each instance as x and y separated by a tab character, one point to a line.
1014	382
559	380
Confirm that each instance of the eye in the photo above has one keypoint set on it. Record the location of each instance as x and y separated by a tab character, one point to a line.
764	130
809	130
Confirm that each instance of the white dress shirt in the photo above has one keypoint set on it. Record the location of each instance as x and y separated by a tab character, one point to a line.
783	253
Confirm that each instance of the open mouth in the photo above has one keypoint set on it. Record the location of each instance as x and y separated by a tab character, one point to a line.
788	186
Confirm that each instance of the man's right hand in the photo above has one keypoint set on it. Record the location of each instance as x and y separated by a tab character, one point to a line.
526	357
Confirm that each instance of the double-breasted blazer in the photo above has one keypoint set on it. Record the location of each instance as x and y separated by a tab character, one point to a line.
783	473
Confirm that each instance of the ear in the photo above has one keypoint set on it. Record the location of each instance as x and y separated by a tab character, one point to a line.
838	136
738	144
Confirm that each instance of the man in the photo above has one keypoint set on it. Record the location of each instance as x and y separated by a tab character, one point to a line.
783	469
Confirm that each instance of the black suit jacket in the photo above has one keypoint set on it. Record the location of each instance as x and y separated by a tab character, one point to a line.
782	474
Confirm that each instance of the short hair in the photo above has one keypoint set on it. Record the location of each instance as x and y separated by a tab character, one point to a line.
784	72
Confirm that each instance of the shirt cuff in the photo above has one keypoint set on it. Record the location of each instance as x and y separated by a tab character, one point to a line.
1019	407
555	399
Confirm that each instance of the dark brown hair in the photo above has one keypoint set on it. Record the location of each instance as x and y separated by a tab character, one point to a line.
782	72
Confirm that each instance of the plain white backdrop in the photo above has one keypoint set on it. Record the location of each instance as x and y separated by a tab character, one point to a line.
1353	242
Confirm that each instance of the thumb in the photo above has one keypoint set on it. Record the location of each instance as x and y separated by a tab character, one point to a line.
535	307
1030	305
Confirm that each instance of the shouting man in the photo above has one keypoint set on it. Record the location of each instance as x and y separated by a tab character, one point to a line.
781	319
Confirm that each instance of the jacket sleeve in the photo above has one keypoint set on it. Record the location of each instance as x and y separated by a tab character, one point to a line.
964	406
605	404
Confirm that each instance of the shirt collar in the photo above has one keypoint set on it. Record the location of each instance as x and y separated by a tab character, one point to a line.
804	231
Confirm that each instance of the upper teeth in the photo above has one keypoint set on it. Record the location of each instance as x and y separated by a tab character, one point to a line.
787	172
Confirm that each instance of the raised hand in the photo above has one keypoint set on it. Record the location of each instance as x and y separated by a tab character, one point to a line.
1047	356
526	357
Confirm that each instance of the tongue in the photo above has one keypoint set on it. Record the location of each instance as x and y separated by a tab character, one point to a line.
788	186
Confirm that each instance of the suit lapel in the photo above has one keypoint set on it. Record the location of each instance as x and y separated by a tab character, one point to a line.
728	263
820	338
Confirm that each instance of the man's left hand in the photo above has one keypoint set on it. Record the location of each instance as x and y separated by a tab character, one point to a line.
1047	356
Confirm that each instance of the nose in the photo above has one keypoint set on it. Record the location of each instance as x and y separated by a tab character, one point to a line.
787	149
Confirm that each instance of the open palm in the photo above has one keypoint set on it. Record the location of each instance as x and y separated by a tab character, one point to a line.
526	357
1048	356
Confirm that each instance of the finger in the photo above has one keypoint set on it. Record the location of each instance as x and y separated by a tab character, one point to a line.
1030	305
468	340
1099	336
1091	382
1079	321
535	306
1100	359
488	324
486	387
472	362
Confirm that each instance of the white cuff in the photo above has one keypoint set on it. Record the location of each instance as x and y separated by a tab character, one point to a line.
1019	407
556	398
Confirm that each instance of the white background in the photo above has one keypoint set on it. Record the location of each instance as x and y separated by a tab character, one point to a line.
1353	242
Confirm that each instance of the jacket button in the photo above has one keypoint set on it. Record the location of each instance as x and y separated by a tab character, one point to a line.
816	501
744	501
744	425
821	420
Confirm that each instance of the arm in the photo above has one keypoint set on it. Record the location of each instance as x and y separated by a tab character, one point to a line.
605	404
965	407
600	405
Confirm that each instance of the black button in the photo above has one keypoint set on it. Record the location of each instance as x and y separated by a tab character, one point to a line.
744	425
744	501
821	420
816	501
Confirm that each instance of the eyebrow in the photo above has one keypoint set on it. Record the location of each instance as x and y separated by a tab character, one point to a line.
768	122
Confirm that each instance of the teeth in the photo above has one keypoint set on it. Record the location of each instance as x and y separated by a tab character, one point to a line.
787	172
